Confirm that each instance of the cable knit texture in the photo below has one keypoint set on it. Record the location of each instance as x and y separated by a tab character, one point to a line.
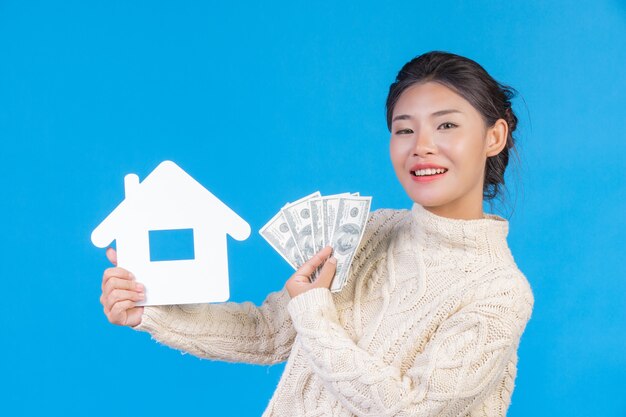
428	324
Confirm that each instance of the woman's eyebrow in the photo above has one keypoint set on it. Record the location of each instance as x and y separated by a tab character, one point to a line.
402	117
442	112
435	114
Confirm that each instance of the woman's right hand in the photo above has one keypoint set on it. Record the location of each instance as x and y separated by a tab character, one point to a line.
120	292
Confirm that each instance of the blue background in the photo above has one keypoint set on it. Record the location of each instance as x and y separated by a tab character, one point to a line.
264	103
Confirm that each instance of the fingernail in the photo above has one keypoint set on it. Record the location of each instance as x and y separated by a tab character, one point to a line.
332	260
139	287
132	276
142	296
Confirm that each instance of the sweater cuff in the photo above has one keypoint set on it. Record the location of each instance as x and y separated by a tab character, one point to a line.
318	301
149	319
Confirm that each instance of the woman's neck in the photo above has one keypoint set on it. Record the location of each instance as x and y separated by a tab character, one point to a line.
468	207
485	235
451	213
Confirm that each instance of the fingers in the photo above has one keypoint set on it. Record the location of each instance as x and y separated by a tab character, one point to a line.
118	313
120	305
119	273
312	264
115	284
297	284
133	316
112	256
124	312
300	280
327	273
120	293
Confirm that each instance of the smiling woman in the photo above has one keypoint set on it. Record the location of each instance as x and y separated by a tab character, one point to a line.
440	159
450	115
434	308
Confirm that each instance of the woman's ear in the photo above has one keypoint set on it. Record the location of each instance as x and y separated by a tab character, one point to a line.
496	137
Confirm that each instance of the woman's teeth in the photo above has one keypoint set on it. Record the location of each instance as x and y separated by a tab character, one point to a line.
430	171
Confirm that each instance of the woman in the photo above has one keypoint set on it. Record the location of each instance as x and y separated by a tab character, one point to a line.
431	317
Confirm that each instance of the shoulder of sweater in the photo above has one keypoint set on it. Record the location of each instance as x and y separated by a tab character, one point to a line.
517	279
524	287
511	286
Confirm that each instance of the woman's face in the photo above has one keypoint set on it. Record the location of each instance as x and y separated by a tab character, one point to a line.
424	131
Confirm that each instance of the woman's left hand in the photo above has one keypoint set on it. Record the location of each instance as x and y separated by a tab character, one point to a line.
299	282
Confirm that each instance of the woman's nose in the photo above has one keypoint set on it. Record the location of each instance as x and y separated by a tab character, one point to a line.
424	144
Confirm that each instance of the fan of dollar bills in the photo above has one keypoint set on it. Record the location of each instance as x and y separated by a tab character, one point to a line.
302	228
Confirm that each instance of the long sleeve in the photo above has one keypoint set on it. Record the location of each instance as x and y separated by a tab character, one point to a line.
236	332
233	332
465	357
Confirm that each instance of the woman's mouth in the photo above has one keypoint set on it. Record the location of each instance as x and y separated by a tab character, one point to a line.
427	175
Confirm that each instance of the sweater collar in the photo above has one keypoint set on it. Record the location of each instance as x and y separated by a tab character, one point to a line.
481	236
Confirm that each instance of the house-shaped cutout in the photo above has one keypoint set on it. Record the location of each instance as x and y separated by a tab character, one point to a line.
170	199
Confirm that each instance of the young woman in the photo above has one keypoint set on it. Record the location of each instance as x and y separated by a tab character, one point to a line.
430	320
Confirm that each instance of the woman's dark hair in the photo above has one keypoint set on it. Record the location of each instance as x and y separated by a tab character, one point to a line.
470	80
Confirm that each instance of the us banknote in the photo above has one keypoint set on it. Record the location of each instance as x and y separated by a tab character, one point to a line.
351	218
303	228
298	217
278	234
329	209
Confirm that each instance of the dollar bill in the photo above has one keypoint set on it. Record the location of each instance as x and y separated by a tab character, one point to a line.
298	217
278	234
303	228
351	218
317	223
330	203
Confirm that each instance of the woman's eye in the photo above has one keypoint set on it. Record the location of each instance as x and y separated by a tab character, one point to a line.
447	124
404	131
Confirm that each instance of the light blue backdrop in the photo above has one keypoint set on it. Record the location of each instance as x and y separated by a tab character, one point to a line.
264	103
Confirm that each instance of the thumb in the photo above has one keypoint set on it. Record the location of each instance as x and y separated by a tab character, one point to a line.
327	273
112	255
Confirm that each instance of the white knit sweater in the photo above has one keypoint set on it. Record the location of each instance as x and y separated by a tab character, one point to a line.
428	324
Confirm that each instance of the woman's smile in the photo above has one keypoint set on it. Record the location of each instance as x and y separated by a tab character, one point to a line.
427	172
427	175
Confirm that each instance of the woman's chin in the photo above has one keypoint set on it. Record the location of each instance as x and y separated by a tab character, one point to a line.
426	199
